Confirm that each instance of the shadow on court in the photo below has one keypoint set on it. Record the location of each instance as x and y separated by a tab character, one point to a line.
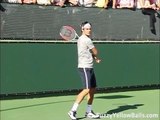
81	118
117	110
34	105
114	97
123	108
120	108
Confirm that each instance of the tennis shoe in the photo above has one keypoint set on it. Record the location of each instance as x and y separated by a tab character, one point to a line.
72	115
92	115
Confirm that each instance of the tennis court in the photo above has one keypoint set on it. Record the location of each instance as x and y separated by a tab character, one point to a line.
131	105
33	58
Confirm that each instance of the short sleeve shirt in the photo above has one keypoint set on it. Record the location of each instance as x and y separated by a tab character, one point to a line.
84	45
126	2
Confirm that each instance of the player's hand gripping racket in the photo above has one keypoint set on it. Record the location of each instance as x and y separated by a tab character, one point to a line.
68	33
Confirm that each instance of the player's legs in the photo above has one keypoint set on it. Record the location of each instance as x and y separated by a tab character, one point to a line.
89	82
89	111
81	95
90	96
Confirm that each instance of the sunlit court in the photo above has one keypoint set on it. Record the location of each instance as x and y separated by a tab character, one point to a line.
132	105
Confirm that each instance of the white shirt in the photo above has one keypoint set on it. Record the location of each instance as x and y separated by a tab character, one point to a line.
126	3
86	3
85	59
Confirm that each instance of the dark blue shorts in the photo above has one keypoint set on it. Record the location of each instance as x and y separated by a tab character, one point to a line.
88	77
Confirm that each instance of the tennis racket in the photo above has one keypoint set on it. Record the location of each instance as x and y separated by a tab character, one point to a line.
68	33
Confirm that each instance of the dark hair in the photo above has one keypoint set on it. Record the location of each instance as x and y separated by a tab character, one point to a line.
83	23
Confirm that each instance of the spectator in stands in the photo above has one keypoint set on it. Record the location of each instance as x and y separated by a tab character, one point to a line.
148	4
125	4
158	4
73	2
149	8
105	3
101	3
14	1
155	4
60	3
114	4
86	3
2	8
44	2
51	2
139	4
29	1
143	4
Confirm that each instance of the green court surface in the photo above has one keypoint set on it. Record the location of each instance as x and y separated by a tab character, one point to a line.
131	105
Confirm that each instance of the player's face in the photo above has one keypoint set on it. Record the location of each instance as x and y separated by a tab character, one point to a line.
87	31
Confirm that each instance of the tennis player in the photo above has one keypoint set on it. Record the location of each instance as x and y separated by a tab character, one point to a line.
87	53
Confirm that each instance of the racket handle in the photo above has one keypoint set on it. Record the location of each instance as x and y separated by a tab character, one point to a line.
97	59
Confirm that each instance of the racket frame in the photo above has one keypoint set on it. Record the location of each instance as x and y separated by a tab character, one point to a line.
72	30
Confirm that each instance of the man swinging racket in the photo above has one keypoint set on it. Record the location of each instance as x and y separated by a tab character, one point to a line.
87	53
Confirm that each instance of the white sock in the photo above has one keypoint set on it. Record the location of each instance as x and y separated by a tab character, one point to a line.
75	107
89	108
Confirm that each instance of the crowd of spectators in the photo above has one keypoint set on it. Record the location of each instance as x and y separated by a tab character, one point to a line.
115	4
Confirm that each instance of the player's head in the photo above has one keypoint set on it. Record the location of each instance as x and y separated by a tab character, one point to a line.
86	28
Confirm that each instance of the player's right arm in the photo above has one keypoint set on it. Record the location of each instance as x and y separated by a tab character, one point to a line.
94	52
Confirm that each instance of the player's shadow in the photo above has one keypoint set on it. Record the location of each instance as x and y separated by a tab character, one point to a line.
120	108
81	118
112	97
123	108
117	110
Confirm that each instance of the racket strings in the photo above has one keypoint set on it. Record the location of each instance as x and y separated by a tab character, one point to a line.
68	33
